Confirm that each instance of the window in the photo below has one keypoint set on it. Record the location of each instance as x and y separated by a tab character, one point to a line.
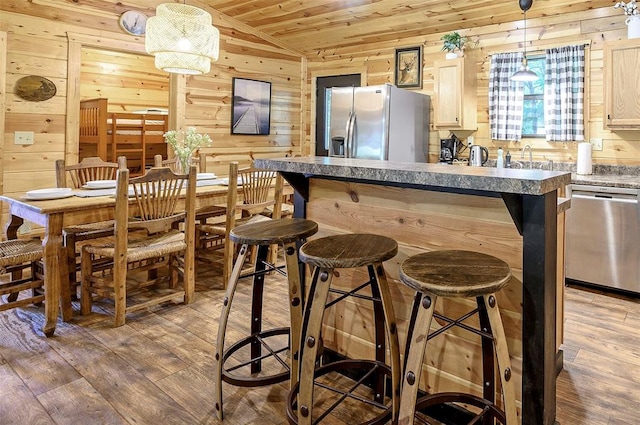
533	101
550	107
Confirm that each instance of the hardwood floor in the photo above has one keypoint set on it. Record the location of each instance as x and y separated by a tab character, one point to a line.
158	368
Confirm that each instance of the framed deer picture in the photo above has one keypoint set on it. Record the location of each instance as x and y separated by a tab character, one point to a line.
408	70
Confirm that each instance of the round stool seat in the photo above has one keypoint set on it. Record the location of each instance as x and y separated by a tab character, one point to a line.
271	232
348	250
455	273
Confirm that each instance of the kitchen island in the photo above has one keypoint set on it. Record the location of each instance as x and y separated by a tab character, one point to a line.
511	214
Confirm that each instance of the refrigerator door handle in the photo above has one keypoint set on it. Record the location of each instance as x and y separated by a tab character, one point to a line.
347	139
351	146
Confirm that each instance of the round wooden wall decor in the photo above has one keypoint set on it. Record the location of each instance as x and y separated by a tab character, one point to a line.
35	89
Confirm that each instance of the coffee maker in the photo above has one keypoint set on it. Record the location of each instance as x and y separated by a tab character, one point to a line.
449	149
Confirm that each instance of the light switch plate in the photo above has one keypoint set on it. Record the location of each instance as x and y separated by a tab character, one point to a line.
23	138
596	143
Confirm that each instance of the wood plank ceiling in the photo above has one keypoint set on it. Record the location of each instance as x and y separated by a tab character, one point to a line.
311	26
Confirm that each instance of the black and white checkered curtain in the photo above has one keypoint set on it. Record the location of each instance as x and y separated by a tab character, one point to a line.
505	97
564	94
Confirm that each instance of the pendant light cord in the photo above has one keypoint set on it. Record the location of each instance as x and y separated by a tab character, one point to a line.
525	34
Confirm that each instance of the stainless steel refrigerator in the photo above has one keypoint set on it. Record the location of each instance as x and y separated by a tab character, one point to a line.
377	122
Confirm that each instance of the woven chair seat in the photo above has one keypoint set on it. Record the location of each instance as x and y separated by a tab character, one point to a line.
17	251
142	247
15	256
89	229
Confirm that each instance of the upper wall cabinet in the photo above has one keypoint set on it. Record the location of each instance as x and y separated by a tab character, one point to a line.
455	103
622	84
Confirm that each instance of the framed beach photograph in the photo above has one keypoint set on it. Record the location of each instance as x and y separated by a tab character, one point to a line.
251	107
408	69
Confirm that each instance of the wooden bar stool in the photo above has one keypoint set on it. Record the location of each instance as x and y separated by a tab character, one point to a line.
457	274
286	232
326	255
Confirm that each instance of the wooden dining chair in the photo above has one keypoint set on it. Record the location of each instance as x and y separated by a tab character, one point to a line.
202	213
154	231
17	255
89	169
250	192
76	176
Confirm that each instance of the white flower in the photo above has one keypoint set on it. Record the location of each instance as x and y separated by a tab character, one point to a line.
184	144
629	9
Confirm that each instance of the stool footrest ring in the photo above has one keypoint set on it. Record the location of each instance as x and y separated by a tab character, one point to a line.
256	381
487	408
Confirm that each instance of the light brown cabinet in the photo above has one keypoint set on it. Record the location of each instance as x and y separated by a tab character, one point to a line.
455	103
622	84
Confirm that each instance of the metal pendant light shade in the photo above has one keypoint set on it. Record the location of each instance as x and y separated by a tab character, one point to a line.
182	39
524	73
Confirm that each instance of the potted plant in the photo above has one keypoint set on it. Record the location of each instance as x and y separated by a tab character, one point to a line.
632	12
453	43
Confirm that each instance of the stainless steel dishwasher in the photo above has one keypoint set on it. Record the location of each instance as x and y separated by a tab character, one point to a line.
603	237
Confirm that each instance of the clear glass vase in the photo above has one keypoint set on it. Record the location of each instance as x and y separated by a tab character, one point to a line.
183	163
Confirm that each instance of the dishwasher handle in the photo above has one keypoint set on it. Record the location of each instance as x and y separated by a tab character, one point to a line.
606	197
609	197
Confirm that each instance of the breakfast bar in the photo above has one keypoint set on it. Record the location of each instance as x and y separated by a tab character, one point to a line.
511	214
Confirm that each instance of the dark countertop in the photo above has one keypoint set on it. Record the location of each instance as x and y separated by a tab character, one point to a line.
625	176
611	180
503	180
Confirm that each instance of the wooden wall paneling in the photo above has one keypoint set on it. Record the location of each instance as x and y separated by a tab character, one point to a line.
587	26
94	27
177	104
26	64
74	64
3	96
130	81
208	100
420	221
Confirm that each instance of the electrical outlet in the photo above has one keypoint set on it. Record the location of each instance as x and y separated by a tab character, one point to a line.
470	141
23	138
596	143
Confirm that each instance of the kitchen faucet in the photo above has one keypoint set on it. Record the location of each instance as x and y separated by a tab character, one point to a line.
530	155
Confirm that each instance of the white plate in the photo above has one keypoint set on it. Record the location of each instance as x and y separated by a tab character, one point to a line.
53	193
100	184
205	176
225	181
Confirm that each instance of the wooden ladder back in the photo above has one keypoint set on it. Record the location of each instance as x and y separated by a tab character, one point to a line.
157	193
89	169
255	186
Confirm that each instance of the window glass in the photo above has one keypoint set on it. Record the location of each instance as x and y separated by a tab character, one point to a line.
533	107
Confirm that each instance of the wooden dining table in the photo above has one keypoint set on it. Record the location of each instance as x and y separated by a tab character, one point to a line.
55	214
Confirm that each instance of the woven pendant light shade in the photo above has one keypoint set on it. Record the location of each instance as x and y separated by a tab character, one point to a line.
182	39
